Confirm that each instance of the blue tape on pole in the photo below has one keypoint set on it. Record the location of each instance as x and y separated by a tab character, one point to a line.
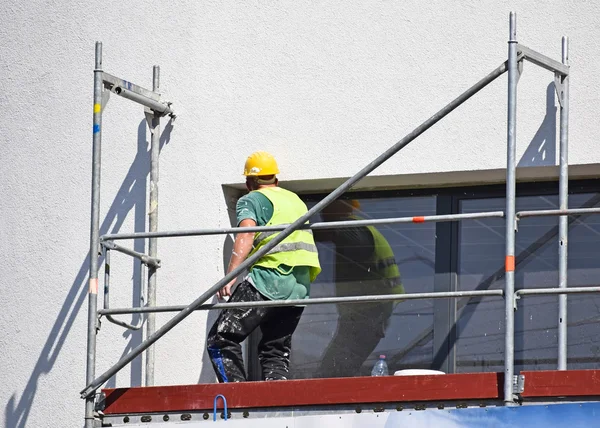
96	128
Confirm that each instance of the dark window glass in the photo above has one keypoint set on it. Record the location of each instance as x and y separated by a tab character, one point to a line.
346	340
480	325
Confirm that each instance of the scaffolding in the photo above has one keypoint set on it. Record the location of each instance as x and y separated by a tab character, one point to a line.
157	108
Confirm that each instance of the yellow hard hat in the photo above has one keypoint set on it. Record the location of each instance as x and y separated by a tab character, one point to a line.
259	164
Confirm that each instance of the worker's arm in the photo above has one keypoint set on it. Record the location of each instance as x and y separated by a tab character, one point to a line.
241	248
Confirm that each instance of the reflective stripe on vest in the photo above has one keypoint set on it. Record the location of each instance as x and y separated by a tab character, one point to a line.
293	246
298	248
384	263
264	235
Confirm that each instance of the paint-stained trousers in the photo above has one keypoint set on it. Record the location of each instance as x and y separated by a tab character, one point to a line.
277	325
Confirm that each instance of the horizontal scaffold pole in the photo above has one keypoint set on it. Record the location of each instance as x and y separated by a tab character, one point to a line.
321	225
308	302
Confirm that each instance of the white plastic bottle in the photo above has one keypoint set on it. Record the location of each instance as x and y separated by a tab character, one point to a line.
380	368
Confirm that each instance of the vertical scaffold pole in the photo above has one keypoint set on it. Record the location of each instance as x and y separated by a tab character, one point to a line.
153	225
563	195
509	290
94	235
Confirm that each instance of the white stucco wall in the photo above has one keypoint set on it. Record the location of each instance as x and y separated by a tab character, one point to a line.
325	86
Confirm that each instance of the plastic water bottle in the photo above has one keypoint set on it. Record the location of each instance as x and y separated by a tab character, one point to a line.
380	368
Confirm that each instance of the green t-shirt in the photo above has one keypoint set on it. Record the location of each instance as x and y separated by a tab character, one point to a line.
285	282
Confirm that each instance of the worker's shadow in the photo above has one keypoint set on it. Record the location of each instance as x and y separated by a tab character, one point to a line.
130	196
207	374
542	148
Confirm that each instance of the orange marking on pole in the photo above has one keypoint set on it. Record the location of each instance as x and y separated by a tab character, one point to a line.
509	263
418	219
94	286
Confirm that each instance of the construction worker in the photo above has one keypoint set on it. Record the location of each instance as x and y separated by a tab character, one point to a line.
364	265
285	272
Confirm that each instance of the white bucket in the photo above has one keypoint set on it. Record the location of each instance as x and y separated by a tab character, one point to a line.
417	372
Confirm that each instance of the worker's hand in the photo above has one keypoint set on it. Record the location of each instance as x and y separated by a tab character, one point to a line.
226	291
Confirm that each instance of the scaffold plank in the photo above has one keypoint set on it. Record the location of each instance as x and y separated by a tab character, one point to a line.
561	383
308	392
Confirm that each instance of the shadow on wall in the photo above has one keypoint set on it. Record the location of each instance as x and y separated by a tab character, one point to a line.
207	374
130	196
542	149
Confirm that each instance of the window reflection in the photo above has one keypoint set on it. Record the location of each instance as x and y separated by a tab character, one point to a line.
346	339
480	325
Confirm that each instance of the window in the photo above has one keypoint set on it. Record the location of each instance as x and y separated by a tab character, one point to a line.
455	335
346	339
480	326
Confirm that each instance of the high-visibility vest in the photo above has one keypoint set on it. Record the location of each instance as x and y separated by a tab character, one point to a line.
298	249
379	274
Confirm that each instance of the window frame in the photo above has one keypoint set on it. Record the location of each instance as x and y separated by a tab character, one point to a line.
448	200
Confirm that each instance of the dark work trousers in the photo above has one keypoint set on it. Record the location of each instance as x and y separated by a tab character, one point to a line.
277	325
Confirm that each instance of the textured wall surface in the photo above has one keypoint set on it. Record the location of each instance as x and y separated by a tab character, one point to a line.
324	85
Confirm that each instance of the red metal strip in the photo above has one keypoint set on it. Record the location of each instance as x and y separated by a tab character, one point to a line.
567	383
485	386
418	219
509	263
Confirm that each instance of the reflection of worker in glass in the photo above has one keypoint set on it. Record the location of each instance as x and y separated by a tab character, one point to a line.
364	265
